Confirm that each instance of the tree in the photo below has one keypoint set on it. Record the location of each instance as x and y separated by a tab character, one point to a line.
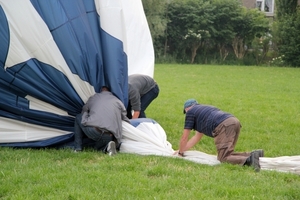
195	26
193	40
189	26
155	11
226	15
251	24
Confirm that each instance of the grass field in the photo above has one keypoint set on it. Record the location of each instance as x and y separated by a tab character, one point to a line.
264	99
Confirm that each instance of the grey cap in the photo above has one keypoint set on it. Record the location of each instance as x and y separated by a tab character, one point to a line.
189	103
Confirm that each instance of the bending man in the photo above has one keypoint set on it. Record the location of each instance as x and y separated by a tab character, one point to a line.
101	121
142	90
223	127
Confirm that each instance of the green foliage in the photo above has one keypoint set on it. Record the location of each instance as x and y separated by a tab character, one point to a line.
289	31
258	25
227	14
286	30
260	48
155	10
285	8
252	24
196	29
264	99
277	61
186	19
168	59
225	28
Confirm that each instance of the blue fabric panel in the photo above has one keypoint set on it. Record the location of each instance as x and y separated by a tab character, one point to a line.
116	69
44	83
53	142
48	85
4	38
68	22
82	48
136	122
34	117
9	99
94	21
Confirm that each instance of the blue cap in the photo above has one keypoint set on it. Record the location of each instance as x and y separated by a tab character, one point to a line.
189	103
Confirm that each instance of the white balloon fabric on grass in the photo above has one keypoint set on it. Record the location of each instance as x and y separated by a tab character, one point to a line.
282	164
147	137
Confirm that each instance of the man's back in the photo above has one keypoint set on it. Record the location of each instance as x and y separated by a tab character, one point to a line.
204	118
105	111
140	83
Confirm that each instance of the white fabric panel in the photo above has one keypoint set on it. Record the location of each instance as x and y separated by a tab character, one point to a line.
36	104
16	131
146	139
283	164
200	157
30	38
126	21
150	139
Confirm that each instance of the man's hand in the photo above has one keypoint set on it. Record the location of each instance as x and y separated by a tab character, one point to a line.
180	154
136	114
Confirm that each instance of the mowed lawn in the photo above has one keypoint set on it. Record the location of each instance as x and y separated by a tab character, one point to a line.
264	99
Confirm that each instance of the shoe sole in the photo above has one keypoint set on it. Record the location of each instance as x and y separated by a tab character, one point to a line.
111	149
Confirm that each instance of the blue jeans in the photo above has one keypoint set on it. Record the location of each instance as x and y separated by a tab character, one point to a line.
89	136
146	99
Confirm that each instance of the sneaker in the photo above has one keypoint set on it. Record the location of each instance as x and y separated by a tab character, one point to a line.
77	150
111	148
254	160
260	152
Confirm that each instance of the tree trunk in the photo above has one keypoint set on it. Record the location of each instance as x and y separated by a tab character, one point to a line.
194	49
239	47
166	47
223	52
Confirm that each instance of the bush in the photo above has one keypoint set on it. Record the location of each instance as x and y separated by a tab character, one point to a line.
289	31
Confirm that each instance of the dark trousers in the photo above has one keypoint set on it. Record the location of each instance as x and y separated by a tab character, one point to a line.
226	135
89	136
146	99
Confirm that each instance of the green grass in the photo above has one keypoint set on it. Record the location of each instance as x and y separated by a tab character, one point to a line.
264	99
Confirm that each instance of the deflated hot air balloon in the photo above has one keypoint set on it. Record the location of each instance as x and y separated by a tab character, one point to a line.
55	54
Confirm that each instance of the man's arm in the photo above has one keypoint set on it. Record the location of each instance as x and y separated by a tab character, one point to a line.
184	140
186	144
194	140
135	101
